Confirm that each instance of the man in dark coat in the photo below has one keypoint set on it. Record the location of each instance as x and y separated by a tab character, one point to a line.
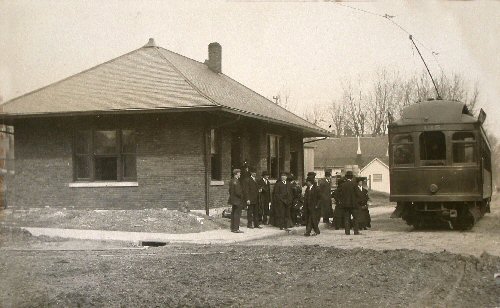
325	186
364	220
235	195
311	205
349	203
264	197
251	198
282	199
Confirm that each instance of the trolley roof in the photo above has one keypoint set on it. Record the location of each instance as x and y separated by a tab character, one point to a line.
435	111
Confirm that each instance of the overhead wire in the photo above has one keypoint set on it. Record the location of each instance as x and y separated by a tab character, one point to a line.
390	19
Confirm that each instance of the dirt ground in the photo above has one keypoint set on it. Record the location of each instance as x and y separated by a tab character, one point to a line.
389	233
391	265
246	276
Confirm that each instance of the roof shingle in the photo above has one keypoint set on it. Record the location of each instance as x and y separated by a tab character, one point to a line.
337	152
152	78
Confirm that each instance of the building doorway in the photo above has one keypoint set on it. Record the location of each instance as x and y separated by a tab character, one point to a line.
235	151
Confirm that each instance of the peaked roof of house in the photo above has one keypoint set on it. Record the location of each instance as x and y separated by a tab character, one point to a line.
376	159
338	152
152	78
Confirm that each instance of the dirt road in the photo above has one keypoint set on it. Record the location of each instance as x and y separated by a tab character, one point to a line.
246	276
387	233
389	266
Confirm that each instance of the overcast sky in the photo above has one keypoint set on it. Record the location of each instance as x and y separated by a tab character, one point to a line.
306	48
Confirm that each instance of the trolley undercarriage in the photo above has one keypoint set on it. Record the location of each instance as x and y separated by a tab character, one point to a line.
457	215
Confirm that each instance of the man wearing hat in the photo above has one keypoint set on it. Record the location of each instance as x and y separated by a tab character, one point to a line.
349	204
235	195
325	187
251	198
282	198
311	205
264	197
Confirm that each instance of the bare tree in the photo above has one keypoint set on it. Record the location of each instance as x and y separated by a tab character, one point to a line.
356	118
337	112
382	100
283	99
391	94
316	115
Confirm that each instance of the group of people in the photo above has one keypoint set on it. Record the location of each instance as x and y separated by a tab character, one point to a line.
290	204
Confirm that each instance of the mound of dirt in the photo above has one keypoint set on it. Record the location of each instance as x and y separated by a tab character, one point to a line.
145	220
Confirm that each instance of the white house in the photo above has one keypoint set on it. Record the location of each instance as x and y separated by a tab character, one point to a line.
377	174
339	155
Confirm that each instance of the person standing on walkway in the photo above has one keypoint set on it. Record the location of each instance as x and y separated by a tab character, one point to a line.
349	203
235	195
282	198
325	187
311	205
296	200
251	198
264	197
364	220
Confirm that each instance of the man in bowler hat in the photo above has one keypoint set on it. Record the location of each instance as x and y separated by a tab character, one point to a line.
311	205
349	203
264	197
282	198
235	195
251	198
325	195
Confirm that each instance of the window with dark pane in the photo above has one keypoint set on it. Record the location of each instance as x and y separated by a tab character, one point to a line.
273	156
105	142
432	148
215	157
128	151
106	168
464	148
105	155
402	150
83	155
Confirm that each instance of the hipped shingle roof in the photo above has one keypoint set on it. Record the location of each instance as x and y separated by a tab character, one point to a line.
152	78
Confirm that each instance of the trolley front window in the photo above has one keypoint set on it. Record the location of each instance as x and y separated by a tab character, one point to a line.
402	149
464	148
432	148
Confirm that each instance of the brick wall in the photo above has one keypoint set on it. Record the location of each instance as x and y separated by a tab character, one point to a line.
170	166
254	148
170	161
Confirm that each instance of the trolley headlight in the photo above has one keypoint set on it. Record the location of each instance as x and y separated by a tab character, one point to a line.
433	188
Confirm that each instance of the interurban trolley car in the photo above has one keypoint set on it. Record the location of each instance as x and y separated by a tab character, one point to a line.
440	165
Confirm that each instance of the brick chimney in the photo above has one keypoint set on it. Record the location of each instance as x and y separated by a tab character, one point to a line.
214	61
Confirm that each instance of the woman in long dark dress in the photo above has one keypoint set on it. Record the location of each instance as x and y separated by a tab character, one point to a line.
362	200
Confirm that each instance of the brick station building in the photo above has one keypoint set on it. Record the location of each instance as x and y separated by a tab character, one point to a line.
149	129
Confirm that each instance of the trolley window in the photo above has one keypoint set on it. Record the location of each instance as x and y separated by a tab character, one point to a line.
432	148
464	148
402	150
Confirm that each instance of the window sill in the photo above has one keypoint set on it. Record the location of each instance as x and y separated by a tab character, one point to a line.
216	183
103	184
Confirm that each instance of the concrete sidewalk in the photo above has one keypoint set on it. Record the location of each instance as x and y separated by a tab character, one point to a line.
222	236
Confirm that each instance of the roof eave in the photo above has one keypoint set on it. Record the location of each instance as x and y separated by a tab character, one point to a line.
307	131
14	116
